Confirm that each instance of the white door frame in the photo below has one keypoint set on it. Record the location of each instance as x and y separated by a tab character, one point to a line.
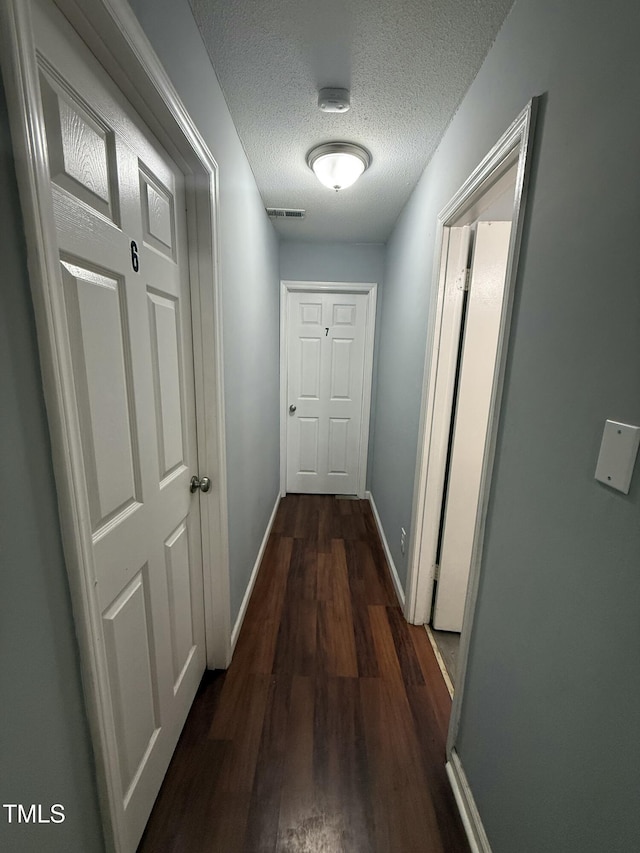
370	290
513	147
112	32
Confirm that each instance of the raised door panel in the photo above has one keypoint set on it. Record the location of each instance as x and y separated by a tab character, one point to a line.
81	147
164	324
98	338
158	213
127	641
310	350
338	455
340	388
179	589
310	313
344	314
308	450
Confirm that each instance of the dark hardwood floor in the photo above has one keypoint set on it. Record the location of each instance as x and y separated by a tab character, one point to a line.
327	733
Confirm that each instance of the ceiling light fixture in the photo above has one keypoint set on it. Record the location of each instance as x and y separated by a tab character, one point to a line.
338	164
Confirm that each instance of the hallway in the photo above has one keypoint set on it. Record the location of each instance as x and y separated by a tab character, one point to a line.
327	733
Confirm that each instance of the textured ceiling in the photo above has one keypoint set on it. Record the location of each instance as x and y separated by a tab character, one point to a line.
408	64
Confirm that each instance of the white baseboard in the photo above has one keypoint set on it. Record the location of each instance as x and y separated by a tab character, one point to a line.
387	551
254	574
476	835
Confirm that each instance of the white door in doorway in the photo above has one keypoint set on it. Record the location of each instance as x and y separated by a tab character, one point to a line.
475	387
119	208
328	335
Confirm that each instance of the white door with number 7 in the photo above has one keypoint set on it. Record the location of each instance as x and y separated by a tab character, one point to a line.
329	338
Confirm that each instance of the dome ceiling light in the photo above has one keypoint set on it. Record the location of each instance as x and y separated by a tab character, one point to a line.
338	165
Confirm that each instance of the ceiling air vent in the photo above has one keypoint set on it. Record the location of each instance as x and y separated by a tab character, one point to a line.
285	213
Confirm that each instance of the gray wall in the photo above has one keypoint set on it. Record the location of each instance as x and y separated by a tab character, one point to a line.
401	347
332	262
353	262
45	754
549	729
250	288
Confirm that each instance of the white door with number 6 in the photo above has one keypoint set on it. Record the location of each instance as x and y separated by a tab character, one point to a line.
119	207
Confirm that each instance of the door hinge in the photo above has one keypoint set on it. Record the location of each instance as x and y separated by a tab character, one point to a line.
464	280
436	572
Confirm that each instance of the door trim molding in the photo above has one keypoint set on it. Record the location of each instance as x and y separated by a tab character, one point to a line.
371	290
513	147
112	32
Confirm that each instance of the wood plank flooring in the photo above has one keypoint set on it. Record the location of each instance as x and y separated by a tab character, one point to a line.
327	733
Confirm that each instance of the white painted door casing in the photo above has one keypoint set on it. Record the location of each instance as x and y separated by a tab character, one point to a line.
477	375
453	272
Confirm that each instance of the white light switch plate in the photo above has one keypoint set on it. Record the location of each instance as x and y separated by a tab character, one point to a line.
618	455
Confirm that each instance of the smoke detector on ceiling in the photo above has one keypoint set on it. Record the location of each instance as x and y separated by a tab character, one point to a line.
334	100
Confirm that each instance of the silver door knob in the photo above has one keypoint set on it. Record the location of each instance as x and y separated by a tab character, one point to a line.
292	408
204	484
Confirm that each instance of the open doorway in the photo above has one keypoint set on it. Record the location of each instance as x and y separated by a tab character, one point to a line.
477	259
478	241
